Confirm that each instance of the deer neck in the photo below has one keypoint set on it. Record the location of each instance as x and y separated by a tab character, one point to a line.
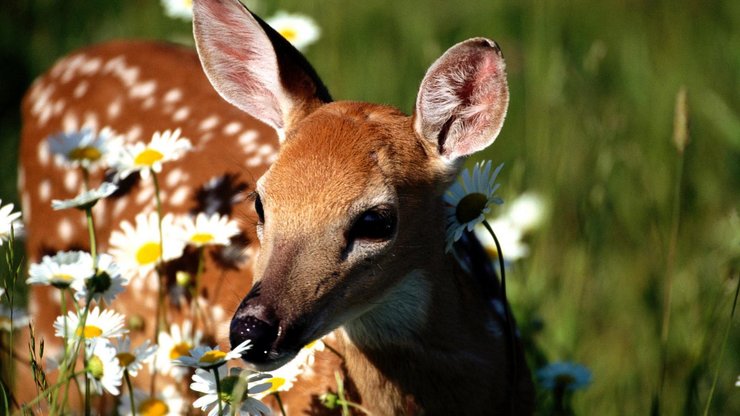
428	330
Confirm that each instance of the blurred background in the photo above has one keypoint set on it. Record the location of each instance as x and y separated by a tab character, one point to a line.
590	131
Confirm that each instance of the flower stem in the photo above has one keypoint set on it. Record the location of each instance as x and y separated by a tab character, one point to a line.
93	241
87	392
507	312
26	409
160	318
724	345
218	390
280	403
195	304
130	391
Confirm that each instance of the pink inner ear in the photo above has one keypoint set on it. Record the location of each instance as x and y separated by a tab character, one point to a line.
463	99
239	59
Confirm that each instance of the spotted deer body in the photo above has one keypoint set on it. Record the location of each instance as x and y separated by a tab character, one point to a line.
349	215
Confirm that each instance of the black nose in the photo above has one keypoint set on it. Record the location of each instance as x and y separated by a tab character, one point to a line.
255	323
261	334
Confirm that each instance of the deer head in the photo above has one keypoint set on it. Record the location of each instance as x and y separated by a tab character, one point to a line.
351	222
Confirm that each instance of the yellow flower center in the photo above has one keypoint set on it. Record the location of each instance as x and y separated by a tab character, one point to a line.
89	331
180	349
62	277
212	356
85	153
276	383
289	34
153	407
148	253
125	358
202	238
148	157
470	207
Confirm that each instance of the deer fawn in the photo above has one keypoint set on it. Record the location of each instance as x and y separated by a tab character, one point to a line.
350	220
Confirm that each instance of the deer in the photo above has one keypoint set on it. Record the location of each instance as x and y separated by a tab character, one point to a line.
345	229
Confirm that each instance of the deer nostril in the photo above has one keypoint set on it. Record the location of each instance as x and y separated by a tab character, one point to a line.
261	334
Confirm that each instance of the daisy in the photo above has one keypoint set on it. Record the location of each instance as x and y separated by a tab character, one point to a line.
137	249
204	381
468	201
527	211
564	375
175	344
103	368
163	147
62	269
105	285
20	318
86	199
133	361
105	324
84	148
283	378
166	402
509	236
207	229
178	9
207	357
297	29
8	219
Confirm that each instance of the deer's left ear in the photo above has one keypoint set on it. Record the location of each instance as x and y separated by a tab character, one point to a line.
463	99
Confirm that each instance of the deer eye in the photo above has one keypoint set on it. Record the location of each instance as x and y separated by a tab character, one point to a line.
259	208
376	224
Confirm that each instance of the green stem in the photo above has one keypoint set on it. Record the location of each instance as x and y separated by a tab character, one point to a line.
93	243
71	360
87	392
85	179
280	403
724	345
218	390
668	289
26	409
507	312
160	313
130	391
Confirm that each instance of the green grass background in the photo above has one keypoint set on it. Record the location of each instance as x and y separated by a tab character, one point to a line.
590	124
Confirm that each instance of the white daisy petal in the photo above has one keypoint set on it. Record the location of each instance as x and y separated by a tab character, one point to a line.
61	270
8	220
297	29
85	199
164	147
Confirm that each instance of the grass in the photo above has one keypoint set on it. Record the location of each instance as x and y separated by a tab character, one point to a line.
590	127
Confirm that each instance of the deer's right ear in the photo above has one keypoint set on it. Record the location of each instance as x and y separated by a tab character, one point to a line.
254	68
463	99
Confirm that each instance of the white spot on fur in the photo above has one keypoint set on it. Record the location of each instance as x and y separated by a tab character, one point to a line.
148	103
71	181
266	149
114	108
91	121
119	206
180	195
146	194
143	89
174	177
208	123
45	190
204	139
81	89
43	153
134	133
233	128
64	229
172	95
247	138
254	161
181	114
92	66
70	122
59	107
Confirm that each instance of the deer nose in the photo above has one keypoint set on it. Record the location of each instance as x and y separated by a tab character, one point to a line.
256	323
261	334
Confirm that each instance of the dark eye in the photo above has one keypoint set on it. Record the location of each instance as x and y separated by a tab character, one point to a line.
259	208
378	223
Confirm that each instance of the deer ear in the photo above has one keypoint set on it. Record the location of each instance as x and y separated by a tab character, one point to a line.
254	68
463	99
